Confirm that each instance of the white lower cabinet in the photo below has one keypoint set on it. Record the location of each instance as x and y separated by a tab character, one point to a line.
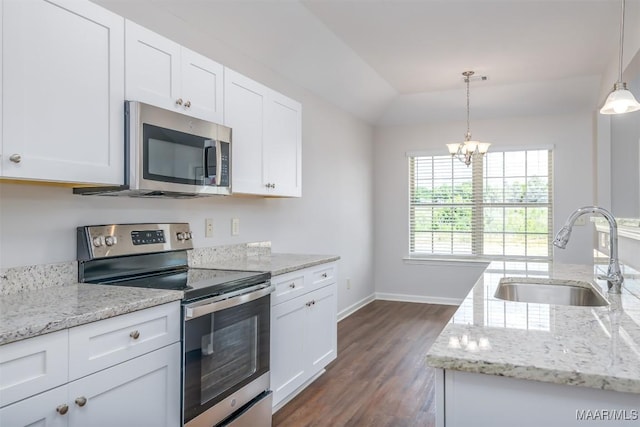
39	410
303	330
143	389
468	399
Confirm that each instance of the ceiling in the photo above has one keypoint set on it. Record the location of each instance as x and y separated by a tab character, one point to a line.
394	62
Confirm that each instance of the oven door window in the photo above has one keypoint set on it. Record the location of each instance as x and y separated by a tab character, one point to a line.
172	156
224	351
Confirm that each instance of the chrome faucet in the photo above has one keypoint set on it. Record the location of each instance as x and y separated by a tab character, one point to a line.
614	275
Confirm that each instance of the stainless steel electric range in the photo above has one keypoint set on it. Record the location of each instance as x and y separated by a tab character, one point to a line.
226	317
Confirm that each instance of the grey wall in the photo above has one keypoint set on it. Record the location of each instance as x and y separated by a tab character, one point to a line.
573	143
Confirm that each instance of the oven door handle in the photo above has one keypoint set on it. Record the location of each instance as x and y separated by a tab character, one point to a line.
201	308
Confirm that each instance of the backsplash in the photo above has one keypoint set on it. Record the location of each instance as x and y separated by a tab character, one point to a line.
33	277
29	278
218	254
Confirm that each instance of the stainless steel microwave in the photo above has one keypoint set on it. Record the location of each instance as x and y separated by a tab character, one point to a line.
168	154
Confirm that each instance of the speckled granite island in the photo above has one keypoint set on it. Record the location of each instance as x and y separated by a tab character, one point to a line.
514	363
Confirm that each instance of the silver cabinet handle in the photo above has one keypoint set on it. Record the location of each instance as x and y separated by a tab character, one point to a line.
135	335
62	409
81	401
292	286
308	304
15	158
179	101
187	104
324	275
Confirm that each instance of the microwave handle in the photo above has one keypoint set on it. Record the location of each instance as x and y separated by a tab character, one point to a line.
206	161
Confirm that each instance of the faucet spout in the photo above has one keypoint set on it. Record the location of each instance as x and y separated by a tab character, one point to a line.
614	276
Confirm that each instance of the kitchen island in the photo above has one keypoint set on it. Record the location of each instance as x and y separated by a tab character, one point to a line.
514	363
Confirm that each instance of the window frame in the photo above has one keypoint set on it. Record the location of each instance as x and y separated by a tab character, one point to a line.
478	205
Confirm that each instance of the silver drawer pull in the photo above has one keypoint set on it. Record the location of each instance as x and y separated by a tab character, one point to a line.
308	304
62	409
15	158
187	104
324	275
81	401
292	286
179	101
135	335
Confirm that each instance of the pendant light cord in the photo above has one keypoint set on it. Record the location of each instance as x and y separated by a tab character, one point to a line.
621	44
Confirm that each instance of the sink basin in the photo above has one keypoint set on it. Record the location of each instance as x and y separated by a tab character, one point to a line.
549	291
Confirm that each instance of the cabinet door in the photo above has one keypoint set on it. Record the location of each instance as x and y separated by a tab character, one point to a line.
38	411
144	391
284	146
202	86
153	68
288	362
63	91
33	365
244	112
322	328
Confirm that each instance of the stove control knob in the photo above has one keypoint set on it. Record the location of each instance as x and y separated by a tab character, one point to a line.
110	240
189	235
98	241
181	236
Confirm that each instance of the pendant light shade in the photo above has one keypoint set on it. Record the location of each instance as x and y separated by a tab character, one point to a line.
620	100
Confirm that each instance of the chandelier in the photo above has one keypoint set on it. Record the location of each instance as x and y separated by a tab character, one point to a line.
620	100
465	150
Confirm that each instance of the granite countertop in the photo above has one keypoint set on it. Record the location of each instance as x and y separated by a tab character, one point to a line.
35	312
595	347
275	263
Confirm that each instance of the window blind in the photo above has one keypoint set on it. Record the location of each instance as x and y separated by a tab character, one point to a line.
499	207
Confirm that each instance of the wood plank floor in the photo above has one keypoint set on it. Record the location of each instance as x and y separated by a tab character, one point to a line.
380	377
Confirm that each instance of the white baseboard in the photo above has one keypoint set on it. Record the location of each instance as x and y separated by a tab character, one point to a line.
355	307
417	298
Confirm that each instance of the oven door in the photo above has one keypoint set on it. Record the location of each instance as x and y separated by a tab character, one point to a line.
226	356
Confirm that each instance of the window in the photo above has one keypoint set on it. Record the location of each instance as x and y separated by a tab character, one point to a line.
499	207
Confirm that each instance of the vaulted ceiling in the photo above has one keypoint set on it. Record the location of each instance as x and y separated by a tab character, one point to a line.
400	61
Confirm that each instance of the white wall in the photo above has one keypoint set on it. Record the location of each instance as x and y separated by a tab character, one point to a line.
334	216
572	138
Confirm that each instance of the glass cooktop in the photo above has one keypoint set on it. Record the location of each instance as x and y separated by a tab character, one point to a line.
196	283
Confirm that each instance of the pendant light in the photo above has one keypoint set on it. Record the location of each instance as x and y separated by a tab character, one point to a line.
620	100
465	150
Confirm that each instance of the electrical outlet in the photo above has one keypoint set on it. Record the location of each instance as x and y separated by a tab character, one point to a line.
208	227
348	284
235	226
582	220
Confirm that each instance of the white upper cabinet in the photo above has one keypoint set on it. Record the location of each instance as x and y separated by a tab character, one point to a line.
244	112
266	138
62	92
284	145
160	72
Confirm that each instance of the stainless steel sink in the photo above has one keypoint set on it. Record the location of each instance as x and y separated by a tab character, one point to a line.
549	291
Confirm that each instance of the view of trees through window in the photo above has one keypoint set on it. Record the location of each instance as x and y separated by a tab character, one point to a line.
500	206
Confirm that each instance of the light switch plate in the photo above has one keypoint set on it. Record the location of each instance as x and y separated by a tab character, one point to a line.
235	226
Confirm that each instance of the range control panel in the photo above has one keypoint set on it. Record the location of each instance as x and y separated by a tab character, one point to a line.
103	241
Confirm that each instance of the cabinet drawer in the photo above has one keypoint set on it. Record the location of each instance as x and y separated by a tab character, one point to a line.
98	345
288	286
32	366
324	275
